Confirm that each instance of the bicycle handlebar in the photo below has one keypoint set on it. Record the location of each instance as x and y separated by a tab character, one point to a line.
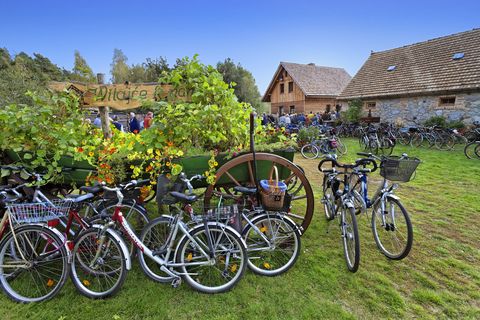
188	182
359	162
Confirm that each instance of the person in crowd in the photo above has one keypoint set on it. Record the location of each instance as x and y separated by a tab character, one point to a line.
97	122
147	121
117	123
264	119
301	118
281	120
287	119
133	124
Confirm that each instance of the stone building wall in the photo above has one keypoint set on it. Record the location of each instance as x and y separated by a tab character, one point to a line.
403	110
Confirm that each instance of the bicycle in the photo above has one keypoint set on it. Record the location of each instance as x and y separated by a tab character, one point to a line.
319	148
391	224
210	257
334	200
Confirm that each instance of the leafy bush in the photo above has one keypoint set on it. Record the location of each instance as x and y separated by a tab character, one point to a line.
354	110
457	124
308	134
439	121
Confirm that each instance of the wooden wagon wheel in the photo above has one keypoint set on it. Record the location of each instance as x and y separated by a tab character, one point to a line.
239	172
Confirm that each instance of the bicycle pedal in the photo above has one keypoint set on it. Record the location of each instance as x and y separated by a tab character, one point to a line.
176	282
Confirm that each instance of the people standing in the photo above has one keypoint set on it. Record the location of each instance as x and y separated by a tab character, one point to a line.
147	121
117	123
133	124
97	122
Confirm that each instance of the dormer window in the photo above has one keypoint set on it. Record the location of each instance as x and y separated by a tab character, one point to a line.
391	68
458	55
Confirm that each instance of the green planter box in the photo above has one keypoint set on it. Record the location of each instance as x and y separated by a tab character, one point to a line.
78	171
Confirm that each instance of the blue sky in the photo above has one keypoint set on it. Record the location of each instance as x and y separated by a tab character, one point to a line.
258	34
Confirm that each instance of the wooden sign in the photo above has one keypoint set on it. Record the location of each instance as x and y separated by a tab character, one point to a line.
121	96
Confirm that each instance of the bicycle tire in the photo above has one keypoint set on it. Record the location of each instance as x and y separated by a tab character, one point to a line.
56	259
351	251
154	241
341	147
283	247
404	250
328	199
97	280
469	149
186	251
309	151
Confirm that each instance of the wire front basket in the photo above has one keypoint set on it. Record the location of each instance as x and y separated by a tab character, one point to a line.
228	214
39	211
394	168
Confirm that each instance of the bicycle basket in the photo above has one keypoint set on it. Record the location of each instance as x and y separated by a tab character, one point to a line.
229	215
38	212
394	168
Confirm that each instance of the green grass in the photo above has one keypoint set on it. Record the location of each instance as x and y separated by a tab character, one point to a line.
440	279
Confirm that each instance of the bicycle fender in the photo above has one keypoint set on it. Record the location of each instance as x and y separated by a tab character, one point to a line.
393	196
297	227
121	242
349	204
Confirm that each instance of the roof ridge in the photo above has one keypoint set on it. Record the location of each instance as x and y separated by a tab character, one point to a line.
427	41
306	64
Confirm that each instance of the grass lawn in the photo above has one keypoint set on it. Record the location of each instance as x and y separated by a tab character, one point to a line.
440	278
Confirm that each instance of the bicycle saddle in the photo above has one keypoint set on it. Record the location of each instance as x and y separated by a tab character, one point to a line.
245	190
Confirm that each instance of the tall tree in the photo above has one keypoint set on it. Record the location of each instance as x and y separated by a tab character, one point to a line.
154	68
245	88
119	68
81	70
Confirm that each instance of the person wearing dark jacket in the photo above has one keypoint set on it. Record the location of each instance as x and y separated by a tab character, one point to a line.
133	124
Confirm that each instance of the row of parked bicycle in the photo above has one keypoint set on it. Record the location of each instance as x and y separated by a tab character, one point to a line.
94	236
382	139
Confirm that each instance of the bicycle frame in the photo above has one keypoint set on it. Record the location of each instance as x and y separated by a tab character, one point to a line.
164	264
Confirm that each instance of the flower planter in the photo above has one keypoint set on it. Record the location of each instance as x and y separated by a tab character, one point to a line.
78	171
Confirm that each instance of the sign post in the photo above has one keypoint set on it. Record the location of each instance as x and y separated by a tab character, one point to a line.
103	110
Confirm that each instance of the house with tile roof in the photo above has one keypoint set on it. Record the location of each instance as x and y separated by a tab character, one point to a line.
438	77
297	88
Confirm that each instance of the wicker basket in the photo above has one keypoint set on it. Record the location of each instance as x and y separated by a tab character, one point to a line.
394	168
39	212
273	192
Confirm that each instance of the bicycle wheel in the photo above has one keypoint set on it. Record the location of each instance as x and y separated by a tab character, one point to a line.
416	140
219	273
469	149
350	238
328	199
392	229
386	146
33	264
273	244
373	146
341	147
97	270
404	138
309	151
156	235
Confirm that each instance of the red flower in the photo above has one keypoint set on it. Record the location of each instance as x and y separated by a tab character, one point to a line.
80	149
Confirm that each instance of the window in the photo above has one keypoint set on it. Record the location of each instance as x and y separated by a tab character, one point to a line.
458	55
391	68
292	109
370	104
329	108
280	110
447	101
338	108
282	88
290	86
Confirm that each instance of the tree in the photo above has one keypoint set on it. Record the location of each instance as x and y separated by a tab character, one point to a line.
245	88
81	70
154	69
136	73
119	69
